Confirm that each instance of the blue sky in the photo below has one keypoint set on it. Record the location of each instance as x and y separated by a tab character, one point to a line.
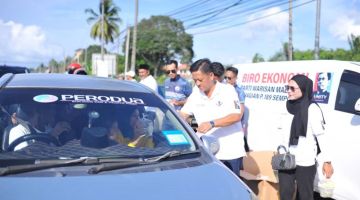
34	31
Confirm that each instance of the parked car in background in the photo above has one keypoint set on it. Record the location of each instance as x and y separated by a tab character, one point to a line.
121	140
13	69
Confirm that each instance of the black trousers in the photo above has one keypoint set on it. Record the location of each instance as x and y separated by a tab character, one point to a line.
304	179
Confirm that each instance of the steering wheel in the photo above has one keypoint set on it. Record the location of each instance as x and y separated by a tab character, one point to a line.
42	137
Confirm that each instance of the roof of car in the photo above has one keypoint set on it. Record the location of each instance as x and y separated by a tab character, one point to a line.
38	80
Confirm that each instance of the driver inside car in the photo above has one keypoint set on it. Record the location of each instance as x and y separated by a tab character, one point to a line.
37	120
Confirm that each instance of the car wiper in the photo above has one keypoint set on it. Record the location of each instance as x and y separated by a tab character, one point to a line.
107	163
63	162
145	161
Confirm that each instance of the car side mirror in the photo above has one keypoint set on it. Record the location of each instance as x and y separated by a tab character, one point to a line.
211	143
357	106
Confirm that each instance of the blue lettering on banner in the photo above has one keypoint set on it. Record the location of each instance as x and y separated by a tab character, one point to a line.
265	92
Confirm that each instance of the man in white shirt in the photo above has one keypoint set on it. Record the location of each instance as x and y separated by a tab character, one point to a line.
146	78
41	121
217	111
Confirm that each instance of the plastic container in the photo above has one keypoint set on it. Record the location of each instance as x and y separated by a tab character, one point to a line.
326	188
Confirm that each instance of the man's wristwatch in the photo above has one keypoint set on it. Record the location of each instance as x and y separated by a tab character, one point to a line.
212	123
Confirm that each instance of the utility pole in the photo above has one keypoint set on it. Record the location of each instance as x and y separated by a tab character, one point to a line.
317	30
133	53
85	58
290	48
102	28
127	50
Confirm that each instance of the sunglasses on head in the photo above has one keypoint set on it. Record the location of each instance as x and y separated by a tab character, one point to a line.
171	71
227	78
291	88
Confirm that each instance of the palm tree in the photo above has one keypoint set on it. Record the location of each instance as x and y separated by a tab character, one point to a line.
110	23
258	58
354	42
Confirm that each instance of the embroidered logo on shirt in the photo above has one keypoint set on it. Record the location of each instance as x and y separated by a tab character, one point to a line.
219	103
237	104
177	88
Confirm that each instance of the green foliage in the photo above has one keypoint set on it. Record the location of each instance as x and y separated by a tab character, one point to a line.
54	66
278	56
120	62
87	56
354	43
111	21
325	54
303	55
258	58
161	79
40	69
161	39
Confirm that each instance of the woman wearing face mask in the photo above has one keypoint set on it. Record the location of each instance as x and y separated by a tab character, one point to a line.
307	126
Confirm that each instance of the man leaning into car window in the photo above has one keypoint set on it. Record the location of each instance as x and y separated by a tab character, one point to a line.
217	110
35	122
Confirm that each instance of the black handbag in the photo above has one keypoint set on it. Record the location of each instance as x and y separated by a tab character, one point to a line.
285	161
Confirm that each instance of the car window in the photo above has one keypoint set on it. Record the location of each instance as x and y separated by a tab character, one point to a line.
88	123
348	92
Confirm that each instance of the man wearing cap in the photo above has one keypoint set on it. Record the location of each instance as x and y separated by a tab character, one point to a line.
146	78
75	68
177	89
129	76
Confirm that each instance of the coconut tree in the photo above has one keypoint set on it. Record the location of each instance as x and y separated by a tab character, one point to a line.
354	42
105	23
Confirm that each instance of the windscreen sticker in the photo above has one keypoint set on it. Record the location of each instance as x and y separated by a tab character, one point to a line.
101	99
175	137
45	98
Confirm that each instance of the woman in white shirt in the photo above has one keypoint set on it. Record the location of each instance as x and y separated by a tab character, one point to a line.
307	126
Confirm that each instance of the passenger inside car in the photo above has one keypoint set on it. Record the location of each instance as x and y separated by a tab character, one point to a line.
135	135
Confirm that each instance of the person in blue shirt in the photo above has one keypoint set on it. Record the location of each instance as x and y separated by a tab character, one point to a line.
219	71
230	77
177	89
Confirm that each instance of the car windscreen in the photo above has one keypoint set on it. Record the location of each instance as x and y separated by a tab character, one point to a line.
69	123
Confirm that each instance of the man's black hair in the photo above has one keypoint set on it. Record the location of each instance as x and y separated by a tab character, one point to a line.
233	70
204	65
144	66
173	62
328	74
218	69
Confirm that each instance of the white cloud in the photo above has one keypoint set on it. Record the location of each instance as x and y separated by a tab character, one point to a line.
266	23
343	26
24	43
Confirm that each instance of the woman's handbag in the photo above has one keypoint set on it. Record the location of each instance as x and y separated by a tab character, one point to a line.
285	161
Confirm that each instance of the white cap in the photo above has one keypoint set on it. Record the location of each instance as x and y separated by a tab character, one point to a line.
130	73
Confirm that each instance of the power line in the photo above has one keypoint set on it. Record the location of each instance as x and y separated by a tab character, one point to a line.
239	11
186	7
249	21
206	9
216	13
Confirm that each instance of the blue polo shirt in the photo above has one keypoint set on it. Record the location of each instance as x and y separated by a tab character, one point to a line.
241	93
178	89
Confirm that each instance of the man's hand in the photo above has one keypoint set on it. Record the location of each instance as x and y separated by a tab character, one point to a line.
60	127
204	127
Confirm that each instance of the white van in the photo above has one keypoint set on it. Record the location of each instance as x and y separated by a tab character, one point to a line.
269	122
